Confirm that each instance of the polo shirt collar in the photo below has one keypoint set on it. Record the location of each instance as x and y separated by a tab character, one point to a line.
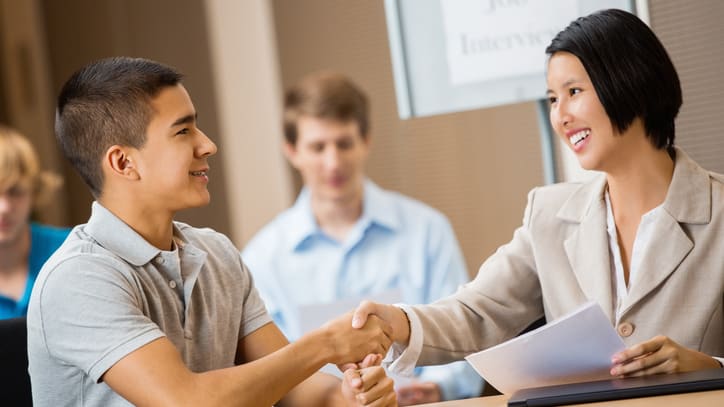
377	209
116	236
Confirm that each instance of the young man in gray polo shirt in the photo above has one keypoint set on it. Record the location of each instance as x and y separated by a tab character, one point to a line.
135	307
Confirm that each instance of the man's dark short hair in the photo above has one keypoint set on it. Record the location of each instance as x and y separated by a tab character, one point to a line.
325	95
629	68
105	103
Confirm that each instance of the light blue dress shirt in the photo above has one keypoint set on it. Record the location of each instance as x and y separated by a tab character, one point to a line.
398	243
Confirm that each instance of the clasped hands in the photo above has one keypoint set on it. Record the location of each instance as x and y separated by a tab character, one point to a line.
365	382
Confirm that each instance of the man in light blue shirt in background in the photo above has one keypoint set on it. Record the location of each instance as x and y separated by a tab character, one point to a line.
347	238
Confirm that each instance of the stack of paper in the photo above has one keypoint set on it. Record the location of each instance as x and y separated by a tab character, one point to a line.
575	348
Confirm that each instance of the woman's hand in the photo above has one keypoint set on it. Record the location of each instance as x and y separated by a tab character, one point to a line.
659	355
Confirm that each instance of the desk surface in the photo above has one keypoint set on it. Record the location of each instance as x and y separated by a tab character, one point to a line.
698	399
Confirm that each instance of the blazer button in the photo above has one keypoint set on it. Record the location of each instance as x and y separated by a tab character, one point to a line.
625	329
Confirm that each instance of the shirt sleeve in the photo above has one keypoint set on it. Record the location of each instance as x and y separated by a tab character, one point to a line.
254	311
402	359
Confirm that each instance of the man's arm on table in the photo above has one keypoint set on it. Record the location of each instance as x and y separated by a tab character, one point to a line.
155	374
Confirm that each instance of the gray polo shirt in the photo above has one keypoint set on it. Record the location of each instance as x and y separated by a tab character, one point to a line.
106	292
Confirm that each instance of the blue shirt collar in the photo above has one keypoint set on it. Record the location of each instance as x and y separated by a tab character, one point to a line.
377	210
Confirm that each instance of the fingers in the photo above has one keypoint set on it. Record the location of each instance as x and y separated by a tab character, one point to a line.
382	338
346	366
659	355
353	378
364	309
643	358
639	350
373	359
377	388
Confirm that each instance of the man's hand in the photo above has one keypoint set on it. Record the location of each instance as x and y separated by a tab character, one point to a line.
419	393
350	345
659	355
391	314
368	385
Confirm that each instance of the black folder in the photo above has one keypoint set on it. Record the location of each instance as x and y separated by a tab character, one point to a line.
616	389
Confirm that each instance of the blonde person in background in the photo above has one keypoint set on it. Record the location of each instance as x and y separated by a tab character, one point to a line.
644	238
345	237
24	244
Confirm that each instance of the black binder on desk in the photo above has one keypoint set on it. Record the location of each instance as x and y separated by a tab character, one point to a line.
616	389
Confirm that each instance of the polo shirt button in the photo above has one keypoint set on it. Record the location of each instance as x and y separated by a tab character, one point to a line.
160	260
625	329
172	284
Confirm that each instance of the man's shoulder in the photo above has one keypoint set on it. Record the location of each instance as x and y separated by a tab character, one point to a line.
273	234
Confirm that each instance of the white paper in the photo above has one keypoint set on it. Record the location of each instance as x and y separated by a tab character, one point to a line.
575	348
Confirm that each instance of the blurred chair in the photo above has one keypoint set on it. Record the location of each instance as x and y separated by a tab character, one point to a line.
14	378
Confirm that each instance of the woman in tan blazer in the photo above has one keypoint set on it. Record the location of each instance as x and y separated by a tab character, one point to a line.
645	238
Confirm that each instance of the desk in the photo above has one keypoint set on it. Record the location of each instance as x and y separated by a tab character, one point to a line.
698	399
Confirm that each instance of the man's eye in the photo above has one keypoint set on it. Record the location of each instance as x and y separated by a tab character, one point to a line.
183	131
345	144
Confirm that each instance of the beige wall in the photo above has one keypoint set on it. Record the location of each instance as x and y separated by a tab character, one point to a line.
170	31
25	79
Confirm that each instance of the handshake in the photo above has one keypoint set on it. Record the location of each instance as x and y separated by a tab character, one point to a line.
357	342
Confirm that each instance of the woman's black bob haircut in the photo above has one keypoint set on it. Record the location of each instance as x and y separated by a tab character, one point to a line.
629	68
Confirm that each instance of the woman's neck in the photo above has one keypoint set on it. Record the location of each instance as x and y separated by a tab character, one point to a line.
642	184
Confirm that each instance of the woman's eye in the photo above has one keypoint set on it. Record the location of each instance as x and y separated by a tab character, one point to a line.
574	91
552	100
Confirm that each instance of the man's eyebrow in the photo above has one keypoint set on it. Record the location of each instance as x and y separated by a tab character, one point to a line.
189	118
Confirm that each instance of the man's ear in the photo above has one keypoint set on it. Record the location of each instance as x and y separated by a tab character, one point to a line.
290	152
118	161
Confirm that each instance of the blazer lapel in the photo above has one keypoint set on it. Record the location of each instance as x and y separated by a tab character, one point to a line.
668	247
587	247
687	201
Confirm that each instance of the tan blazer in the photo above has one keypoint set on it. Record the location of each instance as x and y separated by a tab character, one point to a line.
559	259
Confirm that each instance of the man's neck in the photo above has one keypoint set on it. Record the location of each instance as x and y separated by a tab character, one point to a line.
154	225
337	218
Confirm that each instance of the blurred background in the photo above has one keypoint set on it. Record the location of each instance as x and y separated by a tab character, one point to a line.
239	55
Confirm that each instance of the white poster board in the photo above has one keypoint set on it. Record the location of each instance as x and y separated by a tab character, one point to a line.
454	55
